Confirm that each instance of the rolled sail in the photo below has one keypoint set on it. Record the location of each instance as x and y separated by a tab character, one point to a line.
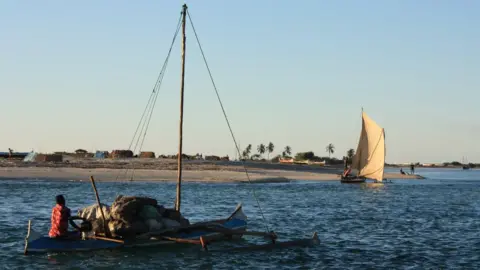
369	159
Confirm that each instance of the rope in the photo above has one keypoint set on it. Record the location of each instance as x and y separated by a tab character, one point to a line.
148	111
228	122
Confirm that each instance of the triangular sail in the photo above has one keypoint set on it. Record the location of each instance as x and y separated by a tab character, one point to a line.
369	159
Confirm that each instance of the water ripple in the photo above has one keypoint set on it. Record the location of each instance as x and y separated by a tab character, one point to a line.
432	224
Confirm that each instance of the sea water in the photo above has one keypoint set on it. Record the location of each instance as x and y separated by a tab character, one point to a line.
407	224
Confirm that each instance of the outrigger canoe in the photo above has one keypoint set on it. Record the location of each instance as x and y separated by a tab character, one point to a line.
233	226
201	233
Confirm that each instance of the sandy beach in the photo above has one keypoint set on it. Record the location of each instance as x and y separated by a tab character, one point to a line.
165	170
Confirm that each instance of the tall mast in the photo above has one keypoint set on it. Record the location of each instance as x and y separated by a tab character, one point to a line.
182	84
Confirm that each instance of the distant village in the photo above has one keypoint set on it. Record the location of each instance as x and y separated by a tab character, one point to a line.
300	158
81	153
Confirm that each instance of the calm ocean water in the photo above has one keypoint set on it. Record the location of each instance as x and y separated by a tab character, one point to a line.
408	224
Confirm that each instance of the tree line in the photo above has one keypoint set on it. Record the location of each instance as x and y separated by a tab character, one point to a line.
287	153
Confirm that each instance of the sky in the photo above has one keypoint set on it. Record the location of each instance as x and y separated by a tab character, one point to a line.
79	74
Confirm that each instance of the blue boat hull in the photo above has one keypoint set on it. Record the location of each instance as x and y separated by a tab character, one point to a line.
45	244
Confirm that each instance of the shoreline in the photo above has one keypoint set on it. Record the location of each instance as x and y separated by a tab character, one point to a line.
161	171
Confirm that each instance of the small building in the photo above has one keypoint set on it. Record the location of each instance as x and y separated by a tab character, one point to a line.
147	155
48	158
101	154
121	154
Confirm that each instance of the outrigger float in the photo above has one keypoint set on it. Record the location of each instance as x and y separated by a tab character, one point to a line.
202	233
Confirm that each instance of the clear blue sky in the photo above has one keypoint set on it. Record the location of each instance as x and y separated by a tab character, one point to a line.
78	74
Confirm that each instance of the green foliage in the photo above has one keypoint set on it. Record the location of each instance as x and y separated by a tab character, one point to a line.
270	148
261	149
350	153
287	152
305	156
255	157
247	151
276	158
330	149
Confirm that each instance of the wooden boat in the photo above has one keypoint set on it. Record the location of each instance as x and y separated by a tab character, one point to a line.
285	160
202	233
369	159
235	225
320	163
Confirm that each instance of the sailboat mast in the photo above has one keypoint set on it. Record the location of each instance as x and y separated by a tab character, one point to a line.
182	84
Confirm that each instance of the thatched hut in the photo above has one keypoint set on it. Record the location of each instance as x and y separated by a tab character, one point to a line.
212	158
121	154
147	155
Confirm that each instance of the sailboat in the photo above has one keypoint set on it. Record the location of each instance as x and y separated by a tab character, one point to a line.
201	233
369	159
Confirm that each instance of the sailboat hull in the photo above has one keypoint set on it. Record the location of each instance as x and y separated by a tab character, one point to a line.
35	243
355	180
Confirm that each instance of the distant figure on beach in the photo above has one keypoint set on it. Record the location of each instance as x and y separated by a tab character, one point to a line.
60	215
412	169
401	171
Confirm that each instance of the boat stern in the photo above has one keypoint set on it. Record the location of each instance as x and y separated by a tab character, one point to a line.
238	214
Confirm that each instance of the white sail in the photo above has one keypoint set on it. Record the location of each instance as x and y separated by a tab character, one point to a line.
369	160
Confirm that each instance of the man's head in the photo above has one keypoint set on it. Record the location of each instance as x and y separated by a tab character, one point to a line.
60	200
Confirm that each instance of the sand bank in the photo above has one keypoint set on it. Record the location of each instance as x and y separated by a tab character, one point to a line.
219	176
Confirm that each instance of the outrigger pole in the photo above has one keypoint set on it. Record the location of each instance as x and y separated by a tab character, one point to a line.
182	85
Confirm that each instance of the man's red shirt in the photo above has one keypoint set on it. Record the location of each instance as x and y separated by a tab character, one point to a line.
60	215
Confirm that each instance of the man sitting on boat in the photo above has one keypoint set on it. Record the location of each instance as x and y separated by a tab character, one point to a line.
346	172
60	215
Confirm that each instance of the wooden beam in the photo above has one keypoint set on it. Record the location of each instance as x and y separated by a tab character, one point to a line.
107	239
182	240
105	225
25	251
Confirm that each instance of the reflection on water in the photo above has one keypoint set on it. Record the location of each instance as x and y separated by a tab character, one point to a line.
418	224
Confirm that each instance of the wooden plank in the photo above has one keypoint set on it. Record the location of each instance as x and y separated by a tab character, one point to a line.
107	239
182	241
25	251
105	225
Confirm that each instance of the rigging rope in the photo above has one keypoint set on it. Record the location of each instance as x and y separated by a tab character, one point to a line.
228	122
148	111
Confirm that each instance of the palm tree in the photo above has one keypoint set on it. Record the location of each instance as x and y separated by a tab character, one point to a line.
261	149
287	151
350	153
247	151
330	149
270	148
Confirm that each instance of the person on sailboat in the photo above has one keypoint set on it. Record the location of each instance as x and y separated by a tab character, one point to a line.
412	169
347	172
401	171
60	215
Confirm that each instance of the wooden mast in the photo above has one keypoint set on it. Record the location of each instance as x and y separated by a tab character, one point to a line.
182	84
